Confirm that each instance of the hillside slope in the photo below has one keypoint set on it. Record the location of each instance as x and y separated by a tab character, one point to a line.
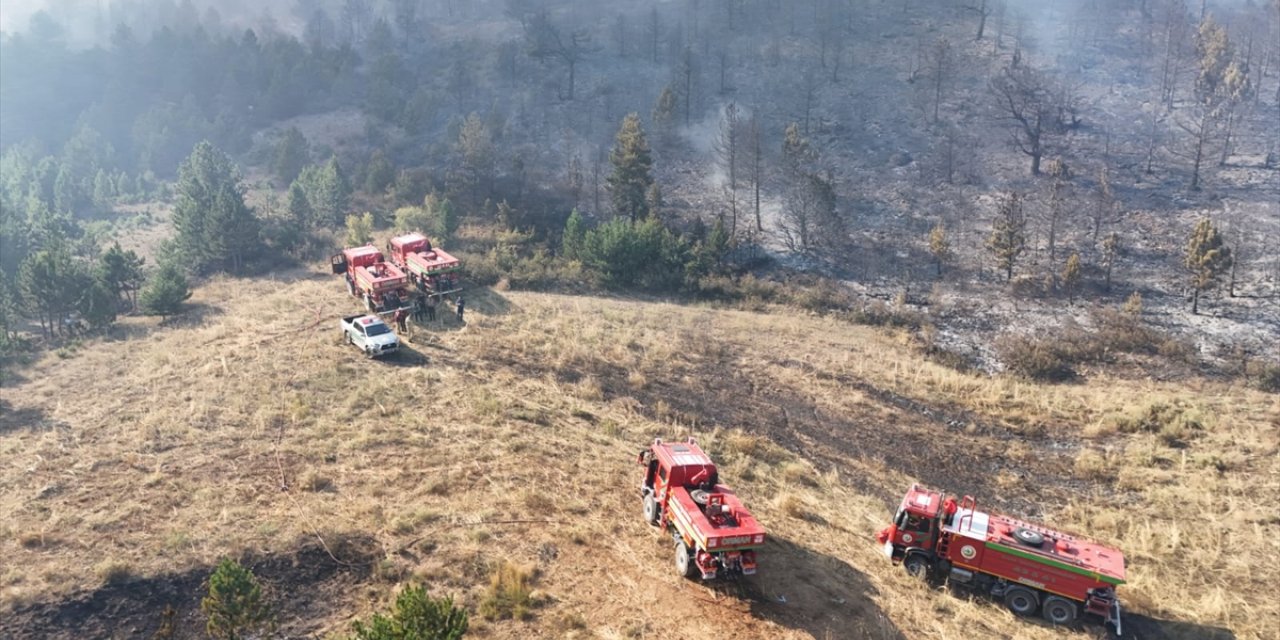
246	428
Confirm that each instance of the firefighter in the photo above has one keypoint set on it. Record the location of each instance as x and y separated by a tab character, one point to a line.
400	317
420	307
431	308
461	307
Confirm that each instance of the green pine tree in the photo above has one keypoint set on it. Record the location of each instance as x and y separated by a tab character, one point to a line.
417	616
104	190
215	229
379	174
632	170
446	222
292	154
297	209
165	292
121	272
235	606
1207	258
574	232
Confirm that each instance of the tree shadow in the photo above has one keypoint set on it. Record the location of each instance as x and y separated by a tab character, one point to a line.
824	596
1142	627
303	584
12	419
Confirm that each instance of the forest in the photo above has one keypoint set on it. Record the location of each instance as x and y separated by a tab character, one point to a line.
907	149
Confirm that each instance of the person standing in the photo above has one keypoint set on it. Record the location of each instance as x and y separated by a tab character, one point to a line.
420	307
462	305
400	317
431	308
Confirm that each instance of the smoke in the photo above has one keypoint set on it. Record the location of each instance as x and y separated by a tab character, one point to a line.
87	23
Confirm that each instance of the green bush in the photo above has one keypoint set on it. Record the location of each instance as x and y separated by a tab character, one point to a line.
640	254
417	616
235	607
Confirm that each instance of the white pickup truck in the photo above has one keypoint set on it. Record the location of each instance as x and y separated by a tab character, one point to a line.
371	334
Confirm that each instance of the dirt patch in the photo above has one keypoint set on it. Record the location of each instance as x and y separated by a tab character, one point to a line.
303	586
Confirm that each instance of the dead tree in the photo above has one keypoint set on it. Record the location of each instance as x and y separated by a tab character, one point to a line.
982	9
940	58
546	41
1037	108
755	174
728	149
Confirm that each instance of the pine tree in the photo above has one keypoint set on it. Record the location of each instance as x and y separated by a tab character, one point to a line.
1207	258
379	174
66	195
235	606
664	116
297	208
574	232
98	303
121	272
939	245
104	191
165	292
359	229
1008	234
292	154
1110	253
417	616
632	170
50	282
446	222
215	229
1071	276
8	312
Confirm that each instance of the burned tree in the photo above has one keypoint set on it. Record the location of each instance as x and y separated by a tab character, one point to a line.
728	150
1037	107
982	9
1207	258
546	41
1008	237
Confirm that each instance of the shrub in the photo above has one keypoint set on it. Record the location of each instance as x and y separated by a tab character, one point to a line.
416	616
1269	378
1036	359
509	594
235	605
625	254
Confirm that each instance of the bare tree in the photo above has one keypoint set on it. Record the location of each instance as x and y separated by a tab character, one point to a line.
808	213
1105	204
547	41
939	59
755	174
728	149
982	9
653	33
1037	108
1058	194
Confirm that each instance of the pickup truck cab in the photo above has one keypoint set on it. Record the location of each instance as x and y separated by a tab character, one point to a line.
371	335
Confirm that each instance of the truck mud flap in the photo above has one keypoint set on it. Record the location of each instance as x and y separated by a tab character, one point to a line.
1115	618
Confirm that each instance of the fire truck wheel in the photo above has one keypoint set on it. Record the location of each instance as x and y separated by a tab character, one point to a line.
650	509
916	565
684	560
1021	601
1058	610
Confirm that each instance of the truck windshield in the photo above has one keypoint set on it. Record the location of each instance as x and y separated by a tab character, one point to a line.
376	329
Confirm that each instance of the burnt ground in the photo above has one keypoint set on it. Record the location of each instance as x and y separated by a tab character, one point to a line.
305	582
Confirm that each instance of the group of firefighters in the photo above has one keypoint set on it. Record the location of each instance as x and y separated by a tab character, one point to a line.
424	310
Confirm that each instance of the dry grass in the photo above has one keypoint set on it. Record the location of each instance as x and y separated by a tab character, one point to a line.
174	447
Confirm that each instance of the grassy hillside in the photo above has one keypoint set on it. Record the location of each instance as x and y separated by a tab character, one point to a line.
247	428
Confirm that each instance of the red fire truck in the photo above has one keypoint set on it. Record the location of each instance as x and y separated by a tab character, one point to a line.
714	533
382	285
1033	568
432	270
